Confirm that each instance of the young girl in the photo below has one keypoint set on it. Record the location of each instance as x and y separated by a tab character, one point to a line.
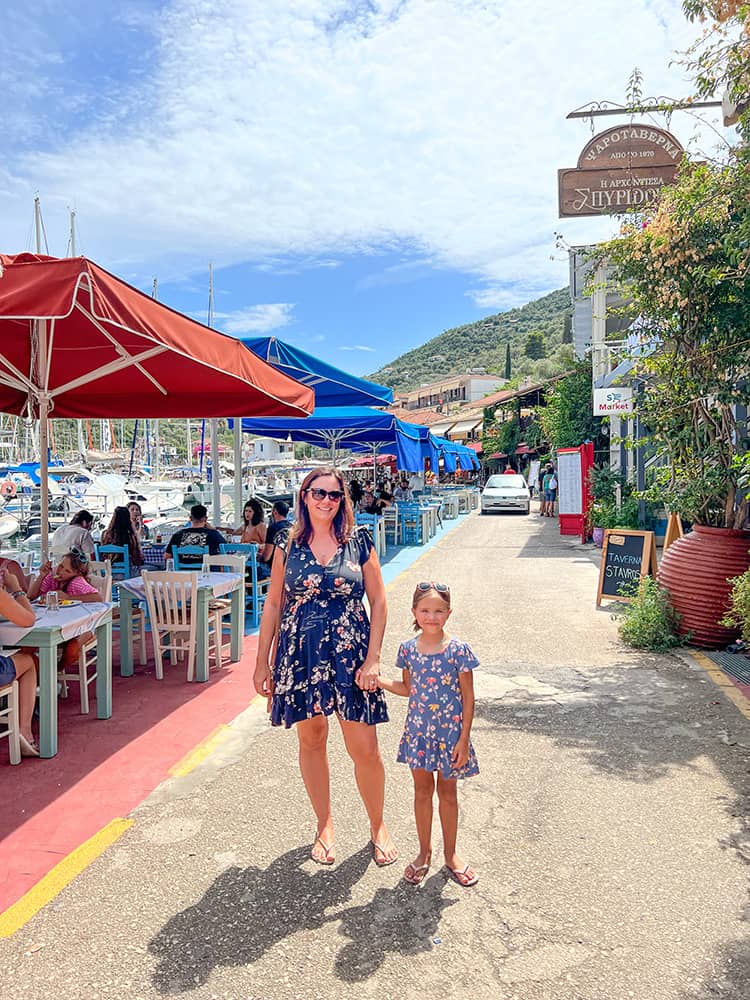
69	579
437	677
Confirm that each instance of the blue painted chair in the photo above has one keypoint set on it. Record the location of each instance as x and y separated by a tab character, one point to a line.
196	554
256	590
118	557
410	522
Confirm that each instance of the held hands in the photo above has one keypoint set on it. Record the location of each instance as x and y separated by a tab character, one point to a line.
45	568
460	755
368	675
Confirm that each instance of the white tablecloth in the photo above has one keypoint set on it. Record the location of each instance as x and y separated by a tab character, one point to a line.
220	583
72	621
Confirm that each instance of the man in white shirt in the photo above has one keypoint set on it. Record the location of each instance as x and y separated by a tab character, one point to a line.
77	534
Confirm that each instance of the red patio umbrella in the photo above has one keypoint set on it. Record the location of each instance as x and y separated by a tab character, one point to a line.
75	341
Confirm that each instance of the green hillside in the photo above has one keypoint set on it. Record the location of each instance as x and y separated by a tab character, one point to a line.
483	345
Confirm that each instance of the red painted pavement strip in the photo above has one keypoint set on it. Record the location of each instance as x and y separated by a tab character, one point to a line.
106	767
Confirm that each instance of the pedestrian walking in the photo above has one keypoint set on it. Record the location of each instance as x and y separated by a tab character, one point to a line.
327	657
549	491
437	678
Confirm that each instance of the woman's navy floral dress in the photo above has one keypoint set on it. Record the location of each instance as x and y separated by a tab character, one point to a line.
435	712
324	633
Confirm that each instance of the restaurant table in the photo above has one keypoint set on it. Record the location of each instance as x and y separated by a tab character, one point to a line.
48	632
209	585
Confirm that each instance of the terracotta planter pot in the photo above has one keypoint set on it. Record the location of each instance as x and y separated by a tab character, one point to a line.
695	570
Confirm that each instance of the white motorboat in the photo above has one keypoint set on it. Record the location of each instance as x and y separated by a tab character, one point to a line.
9	525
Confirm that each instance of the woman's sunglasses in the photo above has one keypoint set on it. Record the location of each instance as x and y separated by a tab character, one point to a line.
441	588
79	554
318	494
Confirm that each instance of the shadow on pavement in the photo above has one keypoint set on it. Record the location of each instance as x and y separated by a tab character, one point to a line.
248	911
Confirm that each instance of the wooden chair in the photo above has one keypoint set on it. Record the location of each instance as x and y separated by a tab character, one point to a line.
9	714
191	565
119	558
220	608
100	576
411	523
171	599
256	590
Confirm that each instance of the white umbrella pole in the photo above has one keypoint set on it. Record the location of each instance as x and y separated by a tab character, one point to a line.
238	498
41	332
215	474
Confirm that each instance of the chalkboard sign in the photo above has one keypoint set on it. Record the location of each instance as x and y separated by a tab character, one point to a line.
627	556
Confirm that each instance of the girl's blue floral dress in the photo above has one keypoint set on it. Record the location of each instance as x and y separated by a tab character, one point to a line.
435	712
324	633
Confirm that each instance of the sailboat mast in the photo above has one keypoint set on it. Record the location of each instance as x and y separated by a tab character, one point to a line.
215	470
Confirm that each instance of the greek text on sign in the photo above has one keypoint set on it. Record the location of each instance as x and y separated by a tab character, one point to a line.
617	402
624	167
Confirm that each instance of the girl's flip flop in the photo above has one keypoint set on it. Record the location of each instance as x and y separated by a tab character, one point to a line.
414	874
464	876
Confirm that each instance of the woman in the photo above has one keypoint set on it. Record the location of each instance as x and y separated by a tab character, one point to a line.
120	531
328	653
21	666
136	519
253	528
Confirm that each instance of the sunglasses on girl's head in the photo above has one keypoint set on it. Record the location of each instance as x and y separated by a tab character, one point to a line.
79	554
441	588
318	494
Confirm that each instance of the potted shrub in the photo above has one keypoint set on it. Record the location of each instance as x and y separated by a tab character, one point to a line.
602	515
685	266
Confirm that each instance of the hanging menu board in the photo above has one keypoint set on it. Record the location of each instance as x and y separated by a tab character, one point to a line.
627	556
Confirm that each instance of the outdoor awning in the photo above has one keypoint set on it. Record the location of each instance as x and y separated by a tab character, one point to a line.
332	387
90	345
440	428
462	428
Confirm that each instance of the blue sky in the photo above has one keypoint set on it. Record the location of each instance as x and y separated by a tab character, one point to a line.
363	174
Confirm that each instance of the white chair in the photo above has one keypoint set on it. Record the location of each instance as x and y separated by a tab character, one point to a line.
171	599
100	569
220	608
10	715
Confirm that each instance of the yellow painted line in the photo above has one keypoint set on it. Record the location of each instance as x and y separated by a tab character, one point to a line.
62	874
721	680
199	753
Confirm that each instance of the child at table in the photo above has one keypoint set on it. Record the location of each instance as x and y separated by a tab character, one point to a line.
70	579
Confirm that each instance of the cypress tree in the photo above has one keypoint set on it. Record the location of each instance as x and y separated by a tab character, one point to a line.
507	360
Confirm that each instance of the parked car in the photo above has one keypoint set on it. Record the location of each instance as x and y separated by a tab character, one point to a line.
505	492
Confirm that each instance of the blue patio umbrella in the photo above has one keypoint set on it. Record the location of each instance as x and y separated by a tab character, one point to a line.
448	454
332	387
430	448
347	427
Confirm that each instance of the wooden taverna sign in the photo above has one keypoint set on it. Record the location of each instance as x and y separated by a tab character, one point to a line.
625	167
627	556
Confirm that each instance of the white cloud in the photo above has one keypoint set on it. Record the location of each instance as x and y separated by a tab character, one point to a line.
357	347
255	319
316	128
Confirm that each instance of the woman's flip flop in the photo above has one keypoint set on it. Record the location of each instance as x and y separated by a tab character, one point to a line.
326	858
383	861
414	874
464	876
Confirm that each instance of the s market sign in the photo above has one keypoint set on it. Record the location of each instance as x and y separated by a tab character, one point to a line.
625	167
613	402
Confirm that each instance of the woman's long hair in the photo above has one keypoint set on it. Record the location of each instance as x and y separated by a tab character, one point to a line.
343	522
120	532
255	507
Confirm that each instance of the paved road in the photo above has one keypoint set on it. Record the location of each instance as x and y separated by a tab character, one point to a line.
609	827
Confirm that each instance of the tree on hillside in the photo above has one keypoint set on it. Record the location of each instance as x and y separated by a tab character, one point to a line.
535	346
507	360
